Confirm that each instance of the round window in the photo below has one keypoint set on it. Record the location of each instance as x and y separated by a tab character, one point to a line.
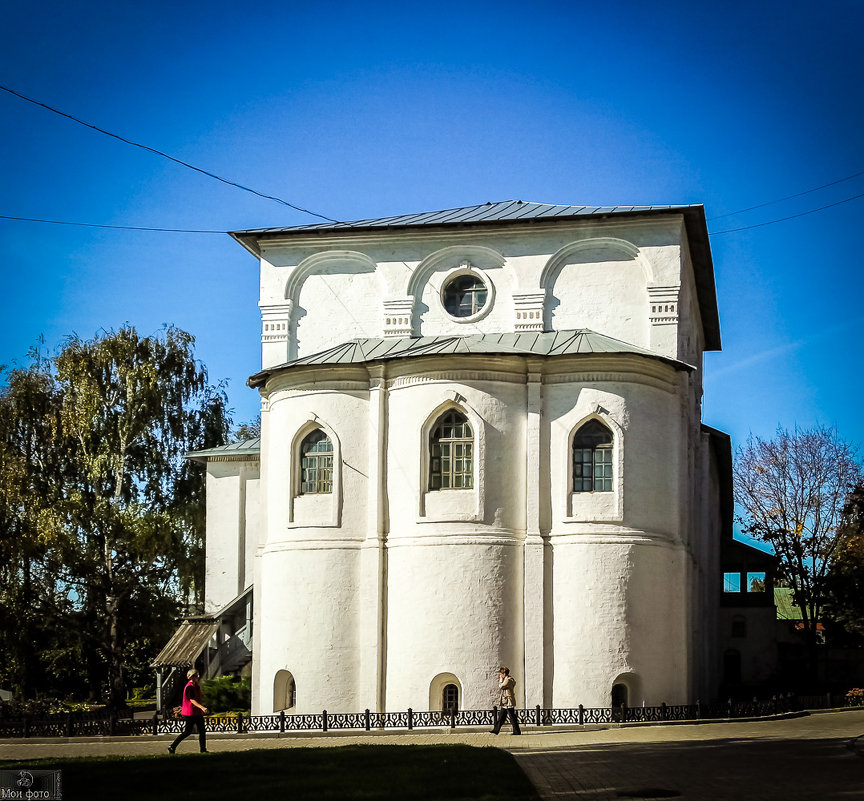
465	296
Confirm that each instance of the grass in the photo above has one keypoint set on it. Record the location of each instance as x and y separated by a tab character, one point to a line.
367	772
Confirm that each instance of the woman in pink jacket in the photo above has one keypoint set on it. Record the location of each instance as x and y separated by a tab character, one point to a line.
192	711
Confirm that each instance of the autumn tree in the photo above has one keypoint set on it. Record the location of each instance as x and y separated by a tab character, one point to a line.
791	491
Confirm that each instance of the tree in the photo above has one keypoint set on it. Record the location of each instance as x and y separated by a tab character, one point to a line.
792	492
124	520
249	430
30	467
845	580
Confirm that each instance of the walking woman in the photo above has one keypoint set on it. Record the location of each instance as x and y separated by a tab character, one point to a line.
192	711
506	701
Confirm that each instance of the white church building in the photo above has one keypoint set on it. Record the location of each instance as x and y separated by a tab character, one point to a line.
481	445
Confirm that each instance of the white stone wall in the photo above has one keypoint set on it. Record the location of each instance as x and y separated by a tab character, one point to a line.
369	621
377	594
233	529
621	278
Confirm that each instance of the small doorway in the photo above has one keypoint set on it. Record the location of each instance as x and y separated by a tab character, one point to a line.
620	696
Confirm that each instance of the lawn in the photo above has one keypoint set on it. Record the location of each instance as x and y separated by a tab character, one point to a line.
368	772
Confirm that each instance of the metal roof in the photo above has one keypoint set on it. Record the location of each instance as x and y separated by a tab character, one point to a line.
501	211
235	451
187	643
552	343
513	212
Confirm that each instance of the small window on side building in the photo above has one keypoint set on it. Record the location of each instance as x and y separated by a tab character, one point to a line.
755	582
731	582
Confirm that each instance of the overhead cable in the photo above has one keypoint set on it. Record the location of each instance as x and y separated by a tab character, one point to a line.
116	227
788	197
790	217
165	155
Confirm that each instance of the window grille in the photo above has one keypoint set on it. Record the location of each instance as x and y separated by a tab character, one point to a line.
465	296
316	463
592	458
450	698
451	450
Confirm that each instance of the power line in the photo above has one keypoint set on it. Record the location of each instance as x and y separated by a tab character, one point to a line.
115	227
790	217
788	197
165	155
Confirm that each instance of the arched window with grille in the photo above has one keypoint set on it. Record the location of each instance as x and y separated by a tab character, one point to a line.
450	698
316	463
592	458
451	453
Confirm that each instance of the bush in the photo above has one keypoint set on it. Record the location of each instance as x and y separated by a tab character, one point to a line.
227	693
42	707
145	693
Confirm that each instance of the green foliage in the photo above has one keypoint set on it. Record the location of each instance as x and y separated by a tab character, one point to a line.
227	693
844	605
101	517
248	430
40	707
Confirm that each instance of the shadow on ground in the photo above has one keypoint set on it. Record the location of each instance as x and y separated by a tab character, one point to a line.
823	769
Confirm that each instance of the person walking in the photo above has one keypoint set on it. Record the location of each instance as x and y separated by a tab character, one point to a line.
506	701
192	710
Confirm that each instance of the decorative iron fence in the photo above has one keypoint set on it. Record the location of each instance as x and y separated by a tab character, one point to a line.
91	725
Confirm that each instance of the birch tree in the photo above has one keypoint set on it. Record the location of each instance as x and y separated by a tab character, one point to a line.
120	509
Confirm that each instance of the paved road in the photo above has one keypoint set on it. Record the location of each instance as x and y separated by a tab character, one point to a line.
803	759
799	759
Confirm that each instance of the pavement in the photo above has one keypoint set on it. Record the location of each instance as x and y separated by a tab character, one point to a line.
815	757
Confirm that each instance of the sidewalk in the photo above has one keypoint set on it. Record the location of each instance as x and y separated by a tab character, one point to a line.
804	758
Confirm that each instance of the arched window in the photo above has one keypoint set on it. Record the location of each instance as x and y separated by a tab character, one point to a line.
592	458
451	453
316	463
450	698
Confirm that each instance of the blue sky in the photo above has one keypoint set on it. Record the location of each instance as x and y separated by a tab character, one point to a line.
360	110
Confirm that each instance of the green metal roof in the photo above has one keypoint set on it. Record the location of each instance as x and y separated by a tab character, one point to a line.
501	211
235	451
786	608
547	344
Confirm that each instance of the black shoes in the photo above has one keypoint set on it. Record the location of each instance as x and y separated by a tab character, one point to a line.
170	749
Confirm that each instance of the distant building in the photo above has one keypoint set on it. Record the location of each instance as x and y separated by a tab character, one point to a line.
748	618
481	445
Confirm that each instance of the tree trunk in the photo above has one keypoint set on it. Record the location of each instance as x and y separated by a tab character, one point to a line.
116	685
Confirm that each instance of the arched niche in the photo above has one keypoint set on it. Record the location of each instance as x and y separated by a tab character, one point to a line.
626	690
440	686
284	691
600	284
334	296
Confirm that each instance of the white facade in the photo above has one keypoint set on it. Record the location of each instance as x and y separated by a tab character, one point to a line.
381	591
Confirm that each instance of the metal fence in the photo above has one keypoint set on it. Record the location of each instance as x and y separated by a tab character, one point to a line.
96	724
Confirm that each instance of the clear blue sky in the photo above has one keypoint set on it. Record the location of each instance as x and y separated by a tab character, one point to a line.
368	109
